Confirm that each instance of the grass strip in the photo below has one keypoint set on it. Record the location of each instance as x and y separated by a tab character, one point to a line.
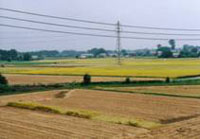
50	109
146	93
87	115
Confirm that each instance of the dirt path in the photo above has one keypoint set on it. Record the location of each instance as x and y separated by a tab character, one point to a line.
16	79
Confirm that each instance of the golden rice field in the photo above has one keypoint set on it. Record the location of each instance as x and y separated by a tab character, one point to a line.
108	67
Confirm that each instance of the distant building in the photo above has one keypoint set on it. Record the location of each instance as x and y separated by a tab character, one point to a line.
176	53
112	54
102	55
87	55
34	57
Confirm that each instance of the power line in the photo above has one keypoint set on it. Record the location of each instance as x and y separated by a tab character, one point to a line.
56	31
94	35
154	33
97	29
56	17
54	24
34	41
95	22
160	28
27	37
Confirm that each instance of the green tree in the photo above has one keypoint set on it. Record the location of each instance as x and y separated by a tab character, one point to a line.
124	52
166	52
97	51
13	54
172	42
86	79
3	80
26	57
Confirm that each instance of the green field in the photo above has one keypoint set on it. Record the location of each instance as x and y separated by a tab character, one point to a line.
106	67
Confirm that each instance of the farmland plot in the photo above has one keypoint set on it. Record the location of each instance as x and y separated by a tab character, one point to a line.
20	79
150	108
107	67
19	123
180	116
185	90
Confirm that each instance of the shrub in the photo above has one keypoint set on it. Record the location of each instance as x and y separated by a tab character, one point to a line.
167	80
61	94
79	114
131	123
127	80
3	80
86	79
43	108
2	65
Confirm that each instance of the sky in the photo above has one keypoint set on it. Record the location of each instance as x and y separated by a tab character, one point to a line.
154	13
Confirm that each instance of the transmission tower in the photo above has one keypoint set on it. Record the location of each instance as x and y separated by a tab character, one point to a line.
118	43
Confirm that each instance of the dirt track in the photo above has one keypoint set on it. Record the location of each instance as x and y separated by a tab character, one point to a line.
25	124
15	79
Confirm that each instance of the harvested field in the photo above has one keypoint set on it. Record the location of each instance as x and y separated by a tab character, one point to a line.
150	108
16	79
32	97
186	90
188	129
19	123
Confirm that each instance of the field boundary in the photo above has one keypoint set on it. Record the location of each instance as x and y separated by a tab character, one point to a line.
116	76
148	93
179	119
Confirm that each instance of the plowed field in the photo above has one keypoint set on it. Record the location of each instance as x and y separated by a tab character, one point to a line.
25	124
151	108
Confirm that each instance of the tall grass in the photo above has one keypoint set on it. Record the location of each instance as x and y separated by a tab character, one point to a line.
50	109
86	114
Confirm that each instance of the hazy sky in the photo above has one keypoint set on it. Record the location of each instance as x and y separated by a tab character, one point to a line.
157	13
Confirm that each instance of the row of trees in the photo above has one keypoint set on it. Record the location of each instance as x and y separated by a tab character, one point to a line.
186	51
13	55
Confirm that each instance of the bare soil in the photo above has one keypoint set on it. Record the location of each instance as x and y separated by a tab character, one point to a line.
16	79
152	108
25	124
186	90
188	129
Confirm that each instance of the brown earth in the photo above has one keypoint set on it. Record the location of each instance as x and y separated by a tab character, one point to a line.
180	115
187	90
188	129
152	108
25	124
16	79
29	97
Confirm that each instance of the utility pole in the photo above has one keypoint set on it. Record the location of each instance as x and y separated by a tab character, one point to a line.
118	43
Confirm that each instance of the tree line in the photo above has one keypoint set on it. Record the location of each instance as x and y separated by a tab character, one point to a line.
14	55
171	51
